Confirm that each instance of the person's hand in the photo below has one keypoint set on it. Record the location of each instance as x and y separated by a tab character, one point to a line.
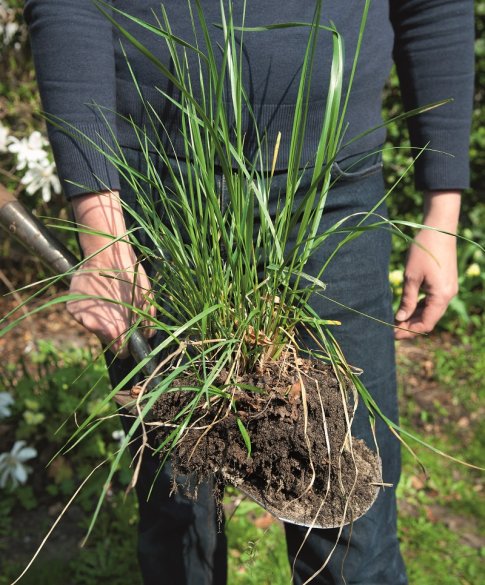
111	275
431	268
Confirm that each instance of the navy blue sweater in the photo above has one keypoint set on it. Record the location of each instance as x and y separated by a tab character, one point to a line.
79	61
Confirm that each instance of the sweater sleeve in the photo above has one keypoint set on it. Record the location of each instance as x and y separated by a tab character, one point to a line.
434	58
72	45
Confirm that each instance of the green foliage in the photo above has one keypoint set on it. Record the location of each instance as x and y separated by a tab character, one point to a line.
436	555
442	517
214	255
462	366
48	387
6	507
108	556
18	91
257	551
52	395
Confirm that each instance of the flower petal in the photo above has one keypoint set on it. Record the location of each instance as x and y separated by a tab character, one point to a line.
18	446
20	473
4	475
26	454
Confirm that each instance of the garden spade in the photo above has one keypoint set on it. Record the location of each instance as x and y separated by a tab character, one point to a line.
29	231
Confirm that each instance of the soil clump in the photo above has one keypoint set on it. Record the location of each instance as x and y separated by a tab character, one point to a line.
302	466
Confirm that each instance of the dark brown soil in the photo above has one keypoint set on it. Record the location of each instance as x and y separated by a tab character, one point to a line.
301	467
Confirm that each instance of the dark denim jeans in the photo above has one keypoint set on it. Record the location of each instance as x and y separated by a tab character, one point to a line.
179	538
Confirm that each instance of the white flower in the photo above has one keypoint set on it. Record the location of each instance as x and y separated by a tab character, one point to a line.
473	270
6	402
4	134
118	435
8	31
396	277
12	465
29	150
42	176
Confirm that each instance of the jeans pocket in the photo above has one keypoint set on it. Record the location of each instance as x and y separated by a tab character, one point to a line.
357	169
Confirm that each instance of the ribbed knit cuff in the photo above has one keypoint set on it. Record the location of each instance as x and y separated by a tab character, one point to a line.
80	155
444	164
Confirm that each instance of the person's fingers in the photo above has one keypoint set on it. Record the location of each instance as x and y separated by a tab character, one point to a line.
434	308
105	323
114	297
426	315
143	305
148	329
409	299
411	327
120	349
431	268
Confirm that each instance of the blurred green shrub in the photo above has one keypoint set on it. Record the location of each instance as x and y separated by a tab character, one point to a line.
52	392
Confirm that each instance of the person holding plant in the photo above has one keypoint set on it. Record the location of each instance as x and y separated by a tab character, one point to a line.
85	79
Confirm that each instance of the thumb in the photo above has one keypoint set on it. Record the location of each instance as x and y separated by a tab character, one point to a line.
409	299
